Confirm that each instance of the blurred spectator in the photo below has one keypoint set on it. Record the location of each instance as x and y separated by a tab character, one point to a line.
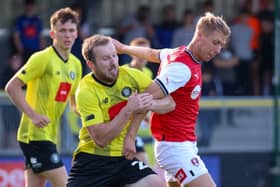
184	34
225	66
240	42
10	114
14	63
136	25
165	30
266	51
83	32
27	32
207	118
206	6
254	23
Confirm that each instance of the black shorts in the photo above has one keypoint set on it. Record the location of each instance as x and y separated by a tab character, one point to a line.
139	144
40	156
104	171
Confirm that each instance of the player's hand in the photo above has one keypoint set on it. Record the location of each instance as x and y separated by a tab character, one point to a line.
139	103
40	121
119	46
145	102
129	149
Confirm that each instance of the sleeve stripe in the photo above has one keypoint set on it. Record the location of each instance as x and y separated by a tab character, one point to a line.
161	85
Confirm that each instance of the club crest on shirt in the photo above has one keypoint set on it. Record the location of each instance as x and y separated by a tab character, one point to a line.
126	91
195	92
72	75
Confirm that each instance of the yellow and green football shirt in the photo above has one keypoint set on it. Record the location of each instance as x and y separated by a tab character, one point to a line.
99	103
145	70
50	81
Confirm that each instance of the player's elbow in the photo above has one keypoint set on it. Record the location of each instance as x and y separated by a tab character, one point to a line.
172	106
14	85
8	88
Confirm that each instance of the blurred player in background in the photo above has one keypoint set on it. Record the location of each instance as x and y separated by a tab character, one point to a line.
51	76
180	76
140	64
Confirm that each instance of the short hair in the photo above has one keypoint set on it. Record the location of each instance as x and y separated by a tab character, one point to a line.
90	43
209	23
139	41
64	14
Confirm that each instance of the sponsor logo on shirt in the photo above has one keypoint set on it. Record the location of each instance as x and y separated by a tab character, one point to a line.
195	92
63	92
115	109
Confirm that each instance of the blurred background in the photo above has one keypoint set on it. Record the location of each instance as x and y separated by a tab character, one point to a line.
238	126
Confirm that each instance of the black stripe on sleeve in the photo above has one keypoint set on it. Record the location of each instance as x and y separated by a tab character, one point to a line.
161	85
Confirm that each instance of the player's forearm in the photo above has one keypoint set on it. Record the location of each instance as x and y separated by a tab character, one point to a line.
163	105
151	55
103	134
135	124
17	96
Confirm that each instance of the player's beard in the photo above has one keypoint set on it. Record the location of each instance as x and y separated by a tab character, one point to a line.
109	76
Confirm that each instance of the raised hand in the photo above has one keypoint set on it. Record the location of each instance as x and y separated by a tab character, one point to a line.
118	45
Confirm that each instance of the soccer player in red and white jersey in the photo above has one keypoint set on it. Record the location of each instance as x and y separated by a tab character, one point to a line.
180	76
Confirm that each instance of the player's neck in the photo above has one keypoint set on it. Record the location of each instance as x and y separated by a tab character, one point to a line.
62	52
133	64
192	48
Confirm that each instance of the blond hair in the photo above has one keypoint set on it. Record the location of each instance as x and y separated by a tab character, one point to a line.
209	23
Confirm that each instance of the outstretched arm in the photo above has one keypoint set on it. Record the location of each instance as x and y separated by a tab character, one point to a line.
149	54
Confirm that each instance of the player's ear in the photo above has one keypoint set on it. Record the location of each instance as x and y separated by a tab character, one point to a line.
90	64
51	34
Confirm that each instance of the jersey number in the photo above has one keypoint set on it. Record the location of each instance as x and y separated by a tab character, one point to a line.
140	164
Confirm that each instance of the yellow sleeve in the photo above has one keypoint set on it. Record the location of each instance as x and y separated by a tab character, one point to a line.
142	79
88	107
34	67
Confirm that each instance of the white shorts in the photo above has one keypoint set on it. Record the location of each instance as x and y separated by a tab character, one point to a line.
180	161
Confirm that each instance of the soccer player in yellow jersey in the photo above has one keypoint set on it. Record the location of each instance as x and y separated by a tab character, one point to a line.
51	76
110	100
